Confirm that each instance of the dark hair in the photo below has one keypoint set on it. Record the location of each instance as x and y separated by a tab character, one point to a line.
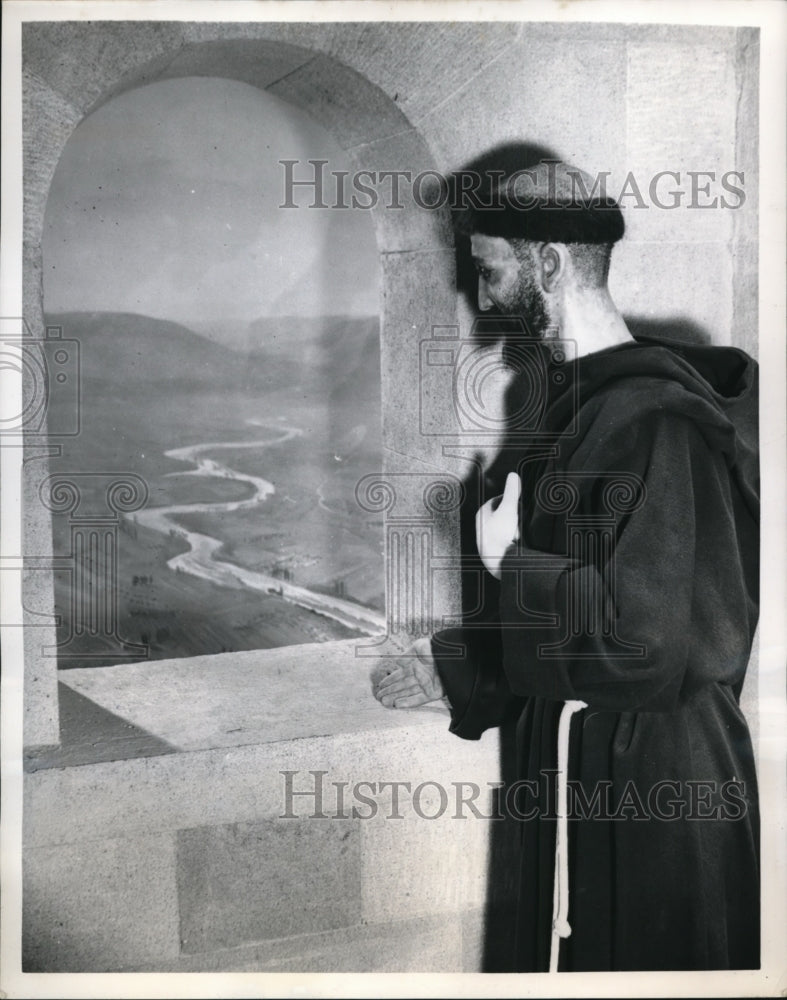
591	260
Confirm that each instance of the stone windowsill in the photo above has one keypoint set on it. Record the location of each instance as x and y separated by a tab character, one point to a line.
226	700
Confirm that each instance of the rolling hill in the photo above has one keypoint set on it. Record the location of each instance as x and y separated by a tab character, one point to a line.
150	385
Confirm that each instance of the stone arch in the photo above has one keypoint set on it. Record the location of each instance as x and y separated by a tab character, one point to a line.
317	74
367	123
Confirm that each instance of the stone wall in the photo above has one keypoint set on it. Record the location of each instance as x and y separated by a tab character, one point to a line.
196	858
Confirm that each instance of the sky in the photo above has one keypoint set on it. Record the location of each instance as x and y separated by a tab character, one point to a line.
166	203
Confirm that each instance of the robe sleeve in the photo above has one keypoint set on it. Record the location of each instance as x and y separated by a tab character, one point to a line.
614	627
470	664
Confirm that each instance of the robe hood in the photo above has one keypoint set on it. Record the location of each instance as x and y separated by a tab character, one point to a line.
724	379
714	387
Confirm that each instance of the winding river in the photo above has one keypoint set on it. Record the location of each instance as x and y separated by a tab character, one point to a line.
201	558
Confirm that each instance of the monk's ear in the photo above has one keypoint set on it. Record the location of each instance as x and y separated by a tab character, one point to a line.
554	264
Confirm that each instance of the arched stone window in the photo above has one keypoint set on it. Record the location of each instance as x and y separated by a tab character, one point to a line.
415	247
229	357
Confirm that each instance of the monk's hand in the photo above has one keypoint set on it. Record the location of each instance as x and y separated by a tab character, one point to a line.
497	525
410	681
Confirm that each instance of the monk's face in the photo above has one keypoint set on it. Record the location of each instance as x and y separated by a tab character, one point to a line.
507	283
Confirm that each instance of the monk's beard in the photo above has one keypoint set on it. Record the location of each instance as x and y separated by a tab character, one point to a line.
535	314
528	302
531	305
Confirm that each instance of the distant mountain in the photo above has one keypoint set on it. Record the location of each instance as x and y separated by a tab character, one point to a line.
336	350
231	331
158	360
315	340
276	333
127	349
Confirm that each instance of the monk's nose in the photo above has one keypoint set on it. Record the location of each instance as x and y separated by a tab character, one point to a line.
484	302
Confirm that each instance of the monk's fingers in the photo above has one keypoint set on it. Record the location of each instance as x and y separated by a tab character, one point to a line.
412	700
390	668
511	494
404	673
380	670
392	699
395	686
406	684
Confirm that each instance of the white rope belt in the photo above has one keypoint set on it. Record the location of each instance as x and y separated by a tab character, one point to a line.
560	925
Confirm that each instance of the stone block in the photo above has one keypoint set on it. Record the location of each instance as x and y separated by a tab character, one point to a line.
521	98
691	35
747	153
345	102
257	696
41	717
259	62
680	124
242	784
48	121
419	293
411	210
427	946
105	905
428	852
572	32
473	940
315	36
252	881
745	301
84	61
440	590
684	288
418	65
420	944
